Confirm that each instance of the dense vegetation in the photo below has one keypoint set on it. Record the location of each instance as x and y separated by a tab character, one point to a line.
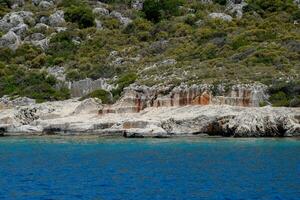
263	46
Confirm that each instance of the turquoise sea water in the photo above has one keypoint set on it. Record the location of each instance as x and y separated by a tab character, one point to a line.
142	169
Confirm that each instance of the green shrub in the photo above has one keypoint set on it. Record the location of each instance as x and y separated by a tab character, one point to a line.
221	2
82	15
61	48
155	10
74	75
34	84
123	82
104	95
69	3
190	19
270	5
296	15
205	34
285	93
5	54
279	99
295	102
111	23
5	5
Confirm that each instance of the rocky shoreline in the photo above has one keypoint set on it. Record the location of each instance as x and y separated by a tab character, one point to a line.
84	118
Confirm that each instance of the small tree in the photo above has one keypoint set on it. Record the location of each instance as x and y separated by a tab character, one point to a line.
155	10
81	15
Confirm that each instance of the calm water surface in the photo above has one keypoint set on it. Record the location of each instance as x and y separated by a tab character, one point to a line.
184	169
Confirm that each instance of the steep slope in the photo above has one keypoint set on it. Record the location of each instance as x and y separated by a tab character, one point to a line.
48	48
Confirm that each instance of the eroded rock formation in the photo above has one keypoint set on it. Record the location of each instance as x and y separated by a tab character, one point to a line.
74	117
137	98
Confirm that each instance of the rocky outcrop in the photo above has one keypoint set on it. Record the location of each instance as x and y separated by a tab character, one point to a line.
58	72
235	7
123	20
73	117
16	3
39	40
10	40
99	11
137	98
88	106
137	4
46	5
221	16
7	102
85	86
57	19
15	19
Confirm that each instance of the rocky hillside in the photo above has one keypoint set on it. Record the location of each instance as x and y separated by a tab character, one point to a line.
57	49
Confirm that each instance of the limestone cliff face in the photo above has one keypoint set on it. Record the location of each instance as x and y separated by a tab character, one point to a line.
85	86
136	98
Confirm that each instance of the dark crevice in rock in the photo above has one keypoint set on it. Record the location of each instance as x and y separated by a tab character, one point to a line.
133	135
2	131
51	131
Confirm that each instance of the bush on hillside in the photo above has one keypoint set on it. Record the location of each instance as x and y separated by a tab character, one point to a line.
284	93
221	2
270	5
155	10
61	48
5	5
14	80
123	82
82	15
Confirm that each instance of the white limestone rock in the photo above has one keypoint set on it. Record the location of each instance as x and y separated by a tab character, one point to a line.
99	11
123	20
46	5
58	72
236	7
221	16
57	19
10	40
137	4
14	19
88	106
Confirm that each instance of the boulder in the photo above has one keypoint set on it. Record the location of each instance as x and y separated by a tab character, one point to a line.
20	30
100	11
14	19
39	40
10	40
58	72
123	20
137	4
44	20
45	5
6	101
57	19
41	27
17	3
38	2
35	36
235	7
98	24
88	106
221	16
